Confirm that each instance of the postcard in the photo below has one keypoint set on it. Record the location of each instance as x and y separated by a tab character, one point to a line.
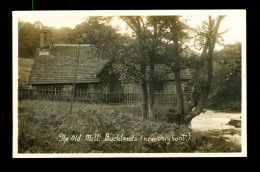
129	83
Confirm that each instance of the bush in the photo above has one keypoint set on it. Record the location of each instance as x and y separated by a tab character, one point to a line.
41	122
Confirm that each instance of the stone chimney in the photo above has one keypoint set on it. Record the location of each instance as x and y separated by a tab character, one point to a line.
45	39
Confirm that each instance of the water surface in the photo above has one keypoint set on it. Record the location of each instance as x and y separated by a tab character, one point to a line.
218	121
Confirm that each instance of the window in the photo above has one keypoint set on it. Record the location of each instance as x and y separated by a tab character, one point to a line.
158	86
81	86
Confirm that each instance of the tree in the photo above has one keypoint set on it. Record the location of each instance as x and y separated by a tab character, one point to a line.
109	45
168	42
155	37
205	73
176	35
37	25
172	53
148	32
62	35
137	25
99	32
28	38
226	84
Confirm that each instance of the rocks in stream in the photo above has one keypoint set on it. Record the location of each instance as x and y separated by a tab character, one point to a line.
236	123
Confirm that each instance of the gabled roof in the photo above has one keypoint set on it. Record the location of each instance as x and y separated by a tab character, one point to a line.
59	66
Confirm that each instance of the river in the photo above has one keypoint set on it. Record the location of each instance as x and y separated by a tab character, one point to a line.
213	120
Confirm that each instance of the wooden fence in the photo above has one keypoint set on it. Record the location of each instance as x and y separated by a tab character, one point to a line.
95	97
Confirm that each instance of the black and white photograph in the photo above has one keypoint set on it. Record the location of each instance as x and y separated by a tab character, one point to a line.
129	83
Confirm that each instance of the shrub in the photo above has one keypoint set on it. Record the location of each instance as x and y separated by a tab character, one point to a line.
41	122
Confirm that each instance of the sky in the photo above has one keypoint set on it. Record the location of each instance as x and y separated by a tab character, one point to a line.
234	21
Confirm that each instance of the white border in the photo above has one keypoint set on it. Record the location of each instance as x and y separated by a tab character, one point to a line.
15	16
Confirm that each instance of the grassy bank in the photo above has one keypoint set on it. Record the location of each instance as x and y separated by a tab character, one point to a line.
42	122
24	68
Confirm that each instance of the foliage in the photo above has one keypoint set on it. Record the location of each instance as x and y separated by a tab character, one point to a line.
41	122
149	32
109	45
99	32
28	38
226	86
24	70
152	42
202	33
62	35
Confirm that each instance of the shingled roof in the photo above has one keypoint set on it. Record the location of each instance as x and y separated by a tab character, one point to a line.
185	73
58	66
166	72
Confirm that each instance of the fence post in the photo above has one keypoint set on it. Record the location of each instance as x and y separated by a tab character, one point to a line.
164	96
80	94
77	93
128	98
106	96
58	94
29	97
84	94
117	98
54	93
41	92
26	93
61	94
51	93
48	93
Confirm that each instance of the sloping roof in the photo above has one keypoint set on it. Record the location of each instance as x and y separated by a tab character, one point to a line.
185	73
166	72
59	66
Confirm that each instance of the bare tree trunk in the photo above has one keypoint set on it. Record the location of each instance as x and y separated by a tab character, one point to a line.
144	91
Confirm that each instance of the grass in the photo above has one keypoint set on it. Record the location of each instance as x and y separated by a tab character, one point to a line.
41	122
24	68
